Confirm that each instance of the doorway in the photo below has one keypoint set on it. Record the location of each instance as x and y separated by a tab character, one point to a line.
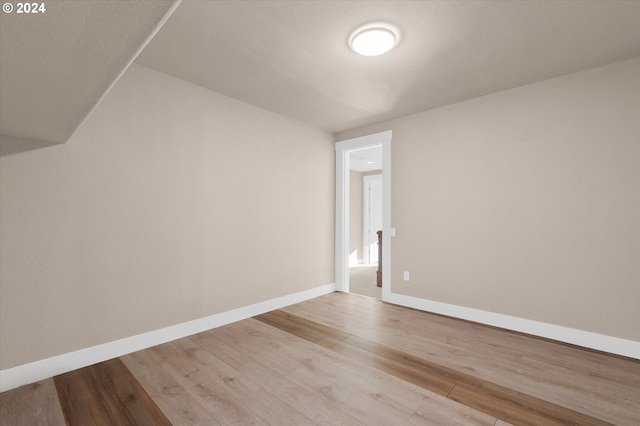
365	221
363	207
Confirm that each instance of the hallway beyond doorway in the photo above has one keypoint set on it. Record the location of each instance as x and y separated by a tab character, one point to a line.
362	280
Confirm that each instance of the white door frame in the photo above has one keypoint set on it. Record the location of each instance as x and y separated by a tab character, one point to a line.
343	149
366	217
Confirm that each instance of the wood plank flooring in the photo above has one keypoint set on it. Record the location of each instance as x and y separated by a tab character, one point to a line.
600	385
106	393
495	400
341	359
34	404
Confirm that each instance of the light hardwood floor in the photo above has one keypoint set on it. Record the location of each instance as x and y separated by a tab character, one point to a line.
342	359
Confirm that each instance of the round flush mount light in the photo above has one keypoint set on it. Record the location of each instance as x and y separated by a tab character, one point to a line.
374	39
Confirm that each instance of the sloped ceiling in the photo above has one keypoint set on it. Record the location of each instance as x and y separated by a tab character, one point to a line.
55	66
292	57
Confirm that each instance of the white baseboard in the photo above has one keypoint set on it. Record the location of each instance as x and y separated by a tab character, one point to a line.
28	373
586	339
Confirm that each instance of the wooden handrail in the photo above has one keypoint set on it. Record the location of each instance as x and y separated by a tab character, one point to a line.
379	272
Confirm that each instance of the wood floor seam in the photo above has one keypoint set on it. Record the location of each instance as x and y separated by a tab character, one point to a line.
454	386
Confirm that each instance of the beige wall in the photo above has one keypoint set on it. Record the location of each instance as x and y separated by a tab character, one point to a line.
169	204
525	202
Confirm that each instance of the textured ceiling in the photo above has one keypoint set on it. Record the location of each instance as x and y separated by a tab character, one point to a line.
55	66
291	57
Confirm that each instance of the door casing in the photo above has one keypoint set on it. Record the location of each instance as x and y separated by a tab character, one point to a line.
343	149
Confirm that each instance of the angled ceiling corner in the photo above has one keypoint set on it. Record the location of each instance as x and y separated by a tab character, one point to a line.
56	66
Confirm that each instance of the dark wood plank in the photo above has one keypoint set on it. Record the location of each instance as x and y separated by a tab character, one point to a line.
422	378
301	327
106	393
518	408
78	399
413	362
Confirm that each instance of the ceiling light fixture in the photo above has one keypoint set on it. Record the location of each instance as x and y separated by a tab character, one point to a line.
374	39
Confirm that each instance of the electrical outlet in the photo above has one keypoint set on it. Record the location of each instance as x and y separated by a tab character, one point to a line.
406	276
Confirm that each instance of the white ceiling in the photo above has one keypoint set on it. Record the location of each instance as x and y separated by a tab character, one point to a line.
55	66
366	160
292	57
